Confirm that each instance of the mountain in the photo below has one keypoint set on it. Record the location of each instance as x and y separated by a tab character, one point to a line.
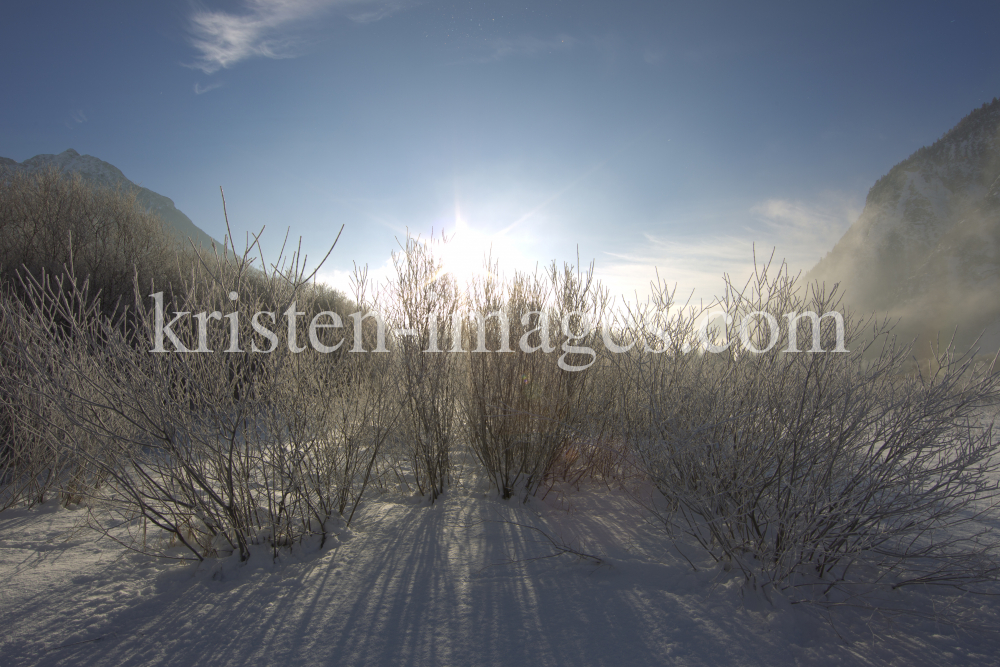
100	172
926	248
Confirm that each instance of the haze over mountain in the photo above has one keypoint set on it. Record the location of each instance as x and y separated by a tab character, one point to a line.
926	248
100	172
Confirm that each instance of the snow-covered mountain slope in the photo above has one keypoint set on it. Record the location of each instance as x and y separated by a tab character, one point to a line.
100	172
927	245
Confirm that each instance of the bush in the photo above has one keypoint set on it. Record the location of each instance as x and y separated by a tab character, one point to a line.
798	464
421	303
39	447
815	467
219	451
526	415
48	223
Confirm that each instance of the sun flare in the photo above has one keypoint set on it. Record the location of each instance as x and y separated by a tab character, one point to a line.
464	254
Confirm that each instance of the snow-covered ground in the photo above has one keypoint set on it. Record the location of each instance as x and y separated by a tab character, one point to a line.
472	580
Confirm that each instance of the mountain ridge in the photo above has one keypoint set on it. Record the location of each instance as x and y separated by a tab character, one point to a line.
926	247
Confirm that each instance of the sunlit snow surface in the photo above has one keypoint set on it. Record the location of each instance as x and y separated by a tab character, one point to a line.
457	583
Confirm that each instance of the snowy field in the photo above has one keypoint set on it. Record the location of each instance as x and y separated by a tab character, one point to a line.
581	577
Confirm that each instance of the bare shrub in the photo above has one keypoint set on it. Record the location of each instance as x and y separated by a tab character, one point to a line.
250	444
49	221
814	467
420	306
529	401
40	450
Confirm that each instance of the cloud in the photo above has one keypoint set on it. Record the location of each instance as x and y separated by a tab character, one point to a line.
653	56
267	28
694	266
375	11
503	47
76	117
807	230
201	90
798	232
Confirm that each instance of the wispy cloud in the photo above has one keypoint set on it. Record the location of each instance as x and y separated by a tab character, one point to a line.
806	230
76	117
370	12
268	28
201	90
797	232
694	266
502	47
653	56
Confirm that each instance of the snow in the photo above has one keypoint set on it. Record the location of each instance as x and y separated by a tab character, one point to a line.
581	577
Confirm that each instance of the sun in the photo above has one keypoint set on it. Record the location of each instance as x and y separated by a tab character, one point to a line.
464	254
470	245
463	258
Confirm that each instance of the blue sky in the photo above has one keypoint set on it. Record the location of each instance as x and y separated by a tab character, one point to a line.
649	134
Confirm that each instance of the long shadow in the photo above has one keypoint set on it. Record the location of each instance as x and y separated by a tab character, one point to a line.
454	584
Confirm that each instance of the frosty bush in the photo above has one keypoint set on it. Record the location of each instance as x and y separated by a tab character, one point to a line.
527	416
48	222
218	451
803	468
796	463
41	451
421	303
